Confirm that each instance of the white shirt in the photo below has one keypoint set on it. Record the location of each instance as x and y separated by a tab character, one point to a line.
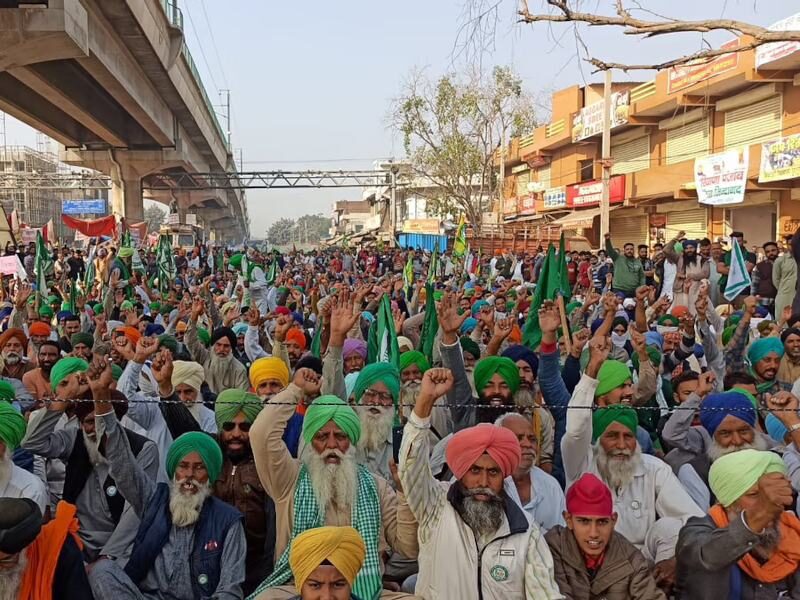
23	484
547	504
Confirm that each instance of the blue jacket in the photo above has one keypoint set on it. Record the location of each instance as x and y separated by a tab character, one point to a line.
211	529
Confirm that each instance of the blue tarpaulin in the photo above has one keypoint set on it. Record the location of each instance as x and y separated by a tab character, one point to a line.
426	241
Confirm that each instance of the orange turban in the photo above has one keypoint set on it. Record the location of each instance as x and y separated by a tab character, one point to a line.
296	336
14	332
131	333
469	444
39	328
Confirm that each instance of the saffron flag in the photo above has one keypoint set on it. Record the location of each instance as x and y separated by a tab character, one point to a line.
738	277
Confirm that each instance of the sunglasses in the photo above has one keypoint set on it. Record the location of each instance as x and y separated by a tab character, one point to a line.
230	426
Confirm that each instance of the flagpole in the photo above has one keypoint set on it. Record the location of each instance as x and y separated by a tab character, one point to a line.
564	325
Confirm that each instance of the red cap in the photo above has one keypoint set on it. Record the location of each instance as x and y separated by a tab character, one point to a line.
589	497
282	310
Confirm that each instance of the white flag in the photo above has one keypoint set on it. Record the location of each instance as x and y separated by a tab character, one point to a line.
738	277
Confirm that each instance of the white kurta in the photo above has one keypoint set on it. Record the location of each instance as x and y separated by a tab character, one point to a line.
23	484
547	504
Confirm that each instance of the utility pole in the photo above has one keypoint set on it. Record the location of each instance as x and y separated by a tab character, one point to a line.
605	157
393	205
227	114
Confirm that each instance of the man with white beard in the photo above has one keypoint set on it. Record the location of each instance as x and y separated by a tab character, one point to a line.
326	486
189	544
13	349
40	562
107	523
651	503
222	370
413	365
14	481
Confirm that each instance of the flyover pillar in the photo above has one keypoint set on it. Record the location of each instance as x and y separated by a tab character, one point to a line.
126	198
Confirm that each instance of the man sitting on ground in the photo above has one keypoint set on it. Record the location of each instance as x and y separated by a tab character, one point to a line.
325	562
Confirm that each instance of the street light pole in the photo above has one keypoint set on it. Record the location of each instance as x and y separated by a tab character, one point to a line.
605	157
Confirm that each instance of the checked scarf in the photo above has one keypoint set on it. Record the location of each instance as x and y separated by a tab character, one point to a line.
366	518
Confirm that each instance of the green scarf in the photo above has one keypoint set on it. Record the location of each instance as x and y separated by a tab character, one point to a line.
764	386
365	517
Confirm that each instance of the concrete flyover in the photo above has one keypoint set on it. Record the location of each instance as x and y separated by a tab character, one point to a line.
113	81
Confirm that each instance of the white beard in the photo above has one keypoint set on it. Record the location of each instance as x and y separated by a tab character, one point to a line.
6	468
185	508
375	429
10	579
617	473
194	409
408	396
715	451
332	484
92	447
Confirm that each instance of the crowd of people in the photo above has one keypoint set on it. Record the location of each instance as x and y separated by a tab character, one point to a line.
377	423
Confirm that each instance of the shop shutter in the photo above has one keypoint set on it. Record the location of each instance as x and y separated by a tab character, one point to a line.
627	229
631	156
522	183
687	141
691	220
543	176
754	123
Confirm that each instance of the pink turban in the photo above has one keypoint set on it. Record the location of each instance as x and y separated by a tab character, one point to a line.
354	346
469	444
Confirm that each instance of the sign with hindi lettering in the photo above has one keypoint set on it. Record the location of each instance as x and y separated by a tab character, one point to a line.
555	198
780	159
721	178
8	264
694	72
84	207
768	53
588	121
589	193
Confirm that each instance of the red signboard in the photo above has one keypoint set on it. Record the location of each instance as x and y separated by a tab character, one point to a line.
589	193
696	71
527	205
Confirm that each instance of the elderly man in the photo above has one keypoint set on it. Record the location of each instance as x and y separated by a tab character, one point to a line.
536	492
37	381
354	355
40	562
189	544
651	503
412	366
748	546
239	485
269	375
82	345
727	424
326	486
223	371
13	349
14	481
473	531
108	523
591	559
325	562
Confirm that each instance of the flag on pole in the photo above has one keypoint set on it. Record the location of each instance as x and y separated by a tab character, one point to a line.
73	297
550	285
382	338
433	267
88	278
165	261
316	341
460	243
738	277
430	325
43	264
408	276
272	272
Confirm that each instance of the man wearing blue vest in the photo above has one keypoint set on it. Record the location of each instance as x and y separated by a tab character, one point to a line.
190	544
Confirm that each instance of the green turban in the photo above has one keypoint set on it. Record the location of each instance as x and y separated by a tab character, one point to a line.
82	338
235	261
66	307
125	252
155	306
168	342
386	373
616	413
200	442
652	352
98	309
733	320
612	375
66	367
53	299
669	321
733	474
46	311
414	357
572	306
116	371
7	391
231	402
485	369
12	426
469	346
126	305
203	336
330	408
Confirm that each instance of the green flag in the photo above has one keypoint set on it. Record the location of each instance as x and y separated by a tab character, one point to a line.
43	264
272	272
430	325
563	273
408	276
166	263
433	267
220	260
316	341
88	278
382	338
549	286
460	243
73	297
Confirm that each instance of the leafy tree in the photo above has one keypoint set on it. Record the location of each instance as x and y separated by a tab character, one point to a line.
281	231
451	129
312	228
154	216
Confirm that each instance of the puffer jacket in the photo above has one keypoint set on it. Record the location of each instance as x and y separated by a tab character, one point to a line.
624	574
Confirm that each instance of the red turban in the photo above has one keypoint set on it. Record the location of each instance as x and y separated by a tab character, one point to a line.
282	310
469	444
14	332
589	497
296	336
131	333
39	328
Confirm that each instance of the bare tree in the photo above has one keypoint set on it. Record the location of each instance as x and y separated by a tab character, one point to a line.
565	11
451	129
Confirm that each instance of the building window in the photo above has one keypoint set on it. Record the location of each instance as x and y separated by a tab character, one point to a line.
587	170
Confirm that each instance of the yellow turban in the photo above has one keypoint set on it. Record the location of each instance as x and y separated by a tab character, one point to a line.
268	368
188	372
340	546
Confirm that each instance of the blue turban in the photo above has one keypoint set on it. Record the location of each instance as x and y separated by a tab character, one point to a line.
298	317
240	329
595	325
476	308
153	329
468	325
653	338
763	346
733	403
519	352
692	243
62	315
368	316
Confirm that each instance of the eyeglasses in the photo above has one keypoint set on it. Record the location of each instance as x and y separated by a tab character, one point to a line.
372	394
230	426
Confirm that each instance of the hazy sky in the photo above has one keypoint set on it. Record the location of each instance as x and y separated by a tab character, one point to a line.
312	81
